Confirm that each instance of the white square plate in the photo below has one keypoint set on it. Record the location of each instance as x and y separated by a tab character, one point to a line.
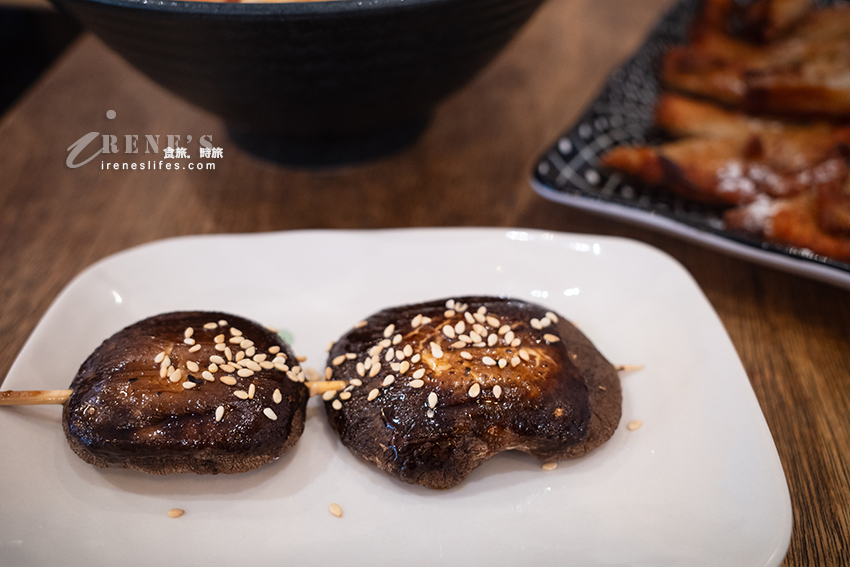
699	484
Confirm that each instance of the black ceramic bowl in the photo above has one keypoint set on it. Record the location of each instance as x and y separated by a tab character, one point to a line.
315	81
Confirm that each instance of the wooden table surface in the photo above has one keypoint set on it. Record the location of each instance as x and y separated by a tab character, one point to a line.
471	168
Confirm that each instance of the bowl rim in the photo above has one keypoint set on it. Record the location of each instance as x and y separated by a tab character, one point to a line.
310	7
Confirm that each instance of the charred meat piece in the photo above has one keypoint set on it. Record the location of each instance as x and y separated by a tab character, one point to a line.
195	392
438	388
791	222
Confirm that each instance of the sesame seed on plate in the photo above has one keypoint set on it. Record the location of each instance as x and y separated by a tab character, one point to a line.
176	513
335	509
634	424
549	466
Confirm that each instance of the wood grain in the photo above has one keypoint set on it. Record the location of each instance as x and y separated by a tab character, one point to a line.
471	168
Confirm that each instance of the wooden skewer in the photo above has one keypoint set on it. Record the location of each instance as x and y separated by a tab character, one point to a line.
33	397
58	397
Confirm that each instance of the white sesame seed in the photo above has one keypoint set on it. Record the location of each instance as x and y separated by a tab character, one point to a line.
267	364
374	393
192	366
415	358
360	324
218	339
344	395
497	391
176	376
396	339
488	361
213	367
436	351
460	327
335	509
416	383
523	354
416	321
449	331
337	405
405	366
482	344
228	354
235	340
240	355
338	360
189	341
219	413
355	382
419	373
228	367
430	413
222	323
399	354
502	363
269	413
220	347
166	361
367	364
388	380
195	348
188	332
159	358
277	396
476	338
395	366
235	332
450	304
516	342
388	331
252	365
465	338
551	338
480	329
480	318
509	337
188	385
491	340
535	324
328	373
207	376
493	322
274	350
459	344
469	318
374	370
545	322
389	356
634	424
465	355
329	395
426	320
504	329
474	390
210	325
229	380
432	400
246	344
259	357
449	313
482	310
514	361
552	317
251	351
251	391
550	466
360	369
241	394
245	372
